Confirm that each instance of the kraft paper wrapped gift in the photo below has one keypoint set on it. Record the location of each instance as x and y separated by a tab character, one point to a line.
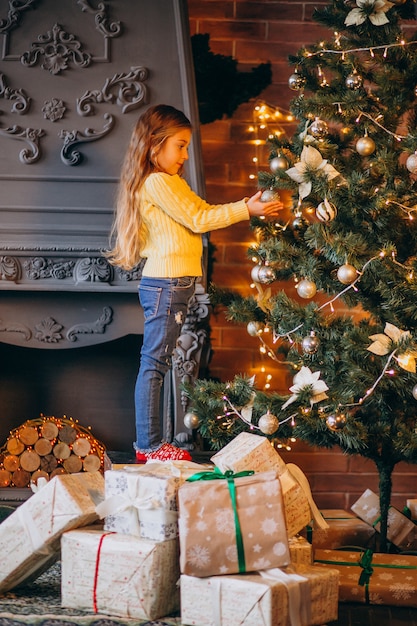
345	529
293	596
119	574
30	536
402	532
301	551
373	578
254	452
141	500
412	507
231	525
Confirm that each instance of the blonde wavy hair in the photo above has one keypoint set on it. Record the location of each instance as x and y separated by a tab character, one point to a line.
149	135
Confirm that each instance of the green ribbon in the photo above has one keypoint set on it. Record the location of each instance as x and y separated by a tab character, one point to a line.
365	562
216	474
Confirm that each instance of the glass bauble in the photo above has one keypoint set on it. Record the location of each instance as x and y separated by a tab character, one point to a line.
254	328
365	146
319	128
354	81
269	195
414	392
336	421
191	420
411	163
310	344
278	164
296	81
326	211
268	423
306	288
347	274
262	274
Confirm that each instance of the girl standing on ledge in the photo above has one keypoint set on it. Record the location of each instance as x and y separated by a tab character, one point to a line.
160	219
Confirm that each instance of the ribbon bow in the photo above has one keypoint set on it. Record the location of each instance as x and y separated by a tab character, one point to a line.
230	476
367	569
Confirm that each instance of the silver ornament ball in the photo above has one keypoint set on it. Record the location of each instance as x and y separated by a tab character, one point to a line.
347	274
254	328
310	344
354	81
296	81
411	163
269	195
262	274
365	146
326	211
319	128
414	392
278	164
306	289
268	423
191	420
336	421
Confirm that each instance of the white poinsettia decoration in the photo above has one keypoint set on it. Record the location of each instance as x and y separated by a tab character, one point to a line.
310	161
304	379
361	13
383	343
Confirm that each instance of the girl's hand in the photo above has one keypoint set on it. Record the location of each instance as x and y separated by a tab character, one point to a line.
267	210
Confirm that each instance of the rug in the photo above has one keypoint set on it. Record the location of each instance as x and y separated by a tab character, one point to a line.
39	604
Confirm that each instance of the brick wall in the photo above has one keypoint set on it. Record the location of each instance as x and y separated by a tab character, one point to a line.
256	32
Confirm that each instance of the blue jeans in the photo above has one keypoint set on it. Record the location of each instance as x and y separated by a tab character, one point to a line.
164	302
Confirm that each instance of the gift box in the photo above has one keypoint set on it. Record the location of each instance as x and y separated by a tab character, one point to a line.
231	524
373	578
298	595
30	536
119	574
141	500
254	452
412	507
401	531
345	529
301	551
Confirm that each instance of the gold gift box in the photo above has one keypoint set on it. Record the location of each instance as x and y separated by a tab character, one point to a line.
373	578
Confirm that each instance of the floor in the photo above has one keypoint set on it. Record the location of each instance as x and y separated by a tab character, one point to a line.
354	615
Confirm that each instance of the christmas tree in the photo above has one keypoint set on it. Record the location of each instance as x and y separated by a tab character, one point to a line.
350	237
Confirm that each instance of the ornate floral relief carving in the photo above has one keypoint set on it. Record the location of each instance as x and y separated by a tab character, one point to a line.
31	136
112	29
57	48
131	275
16	8
15	328
126	90
41	267
97	327
21	101
92	270
9	268
53	110
69	155
48	331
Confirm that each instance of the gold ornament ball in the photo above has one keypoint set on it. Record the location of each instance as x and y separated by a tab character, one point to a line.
191	420
336	422
347	274
326	211
268	423
278	164
365	146
306	289
254	328
310	344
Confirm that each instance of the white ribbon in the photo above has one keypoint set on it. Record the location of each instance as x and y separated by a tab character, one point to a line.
217	586
37	542
301	479
298	589
167	468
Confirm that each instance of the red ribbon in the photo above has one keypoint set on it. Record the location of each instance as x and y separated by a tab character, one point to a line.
100	543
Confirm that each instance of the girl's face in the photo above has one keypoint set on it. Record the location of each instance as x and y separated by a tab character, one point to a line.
174	152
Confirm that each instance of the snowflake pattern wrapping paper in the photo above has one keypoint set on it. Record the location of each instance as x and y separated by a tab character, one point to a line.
207	527
119	574
254	452
392	580
345	529
299	595
401	531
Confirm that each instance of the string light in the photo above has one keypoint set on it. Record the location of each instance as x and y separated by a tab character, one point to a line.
385	47
266	126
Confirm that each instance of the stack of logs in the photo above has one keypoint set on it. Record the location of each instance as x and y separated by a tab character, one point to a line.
46	447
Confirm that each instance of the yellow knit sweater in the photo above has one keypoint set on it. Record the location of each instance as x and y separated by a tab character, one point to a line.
174	218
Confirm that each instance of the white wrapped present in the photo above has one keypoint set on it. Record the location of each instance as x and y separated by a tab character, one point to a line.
119	574
30	536
293	596
255	452
141	500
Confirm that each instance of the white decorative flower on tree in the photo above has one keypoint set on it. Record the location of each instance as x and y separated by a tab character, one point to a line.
306	379
385	343
359	15
310	161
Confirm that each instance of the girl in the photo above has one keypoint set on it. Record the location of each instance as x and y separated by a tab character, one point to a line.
160	219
